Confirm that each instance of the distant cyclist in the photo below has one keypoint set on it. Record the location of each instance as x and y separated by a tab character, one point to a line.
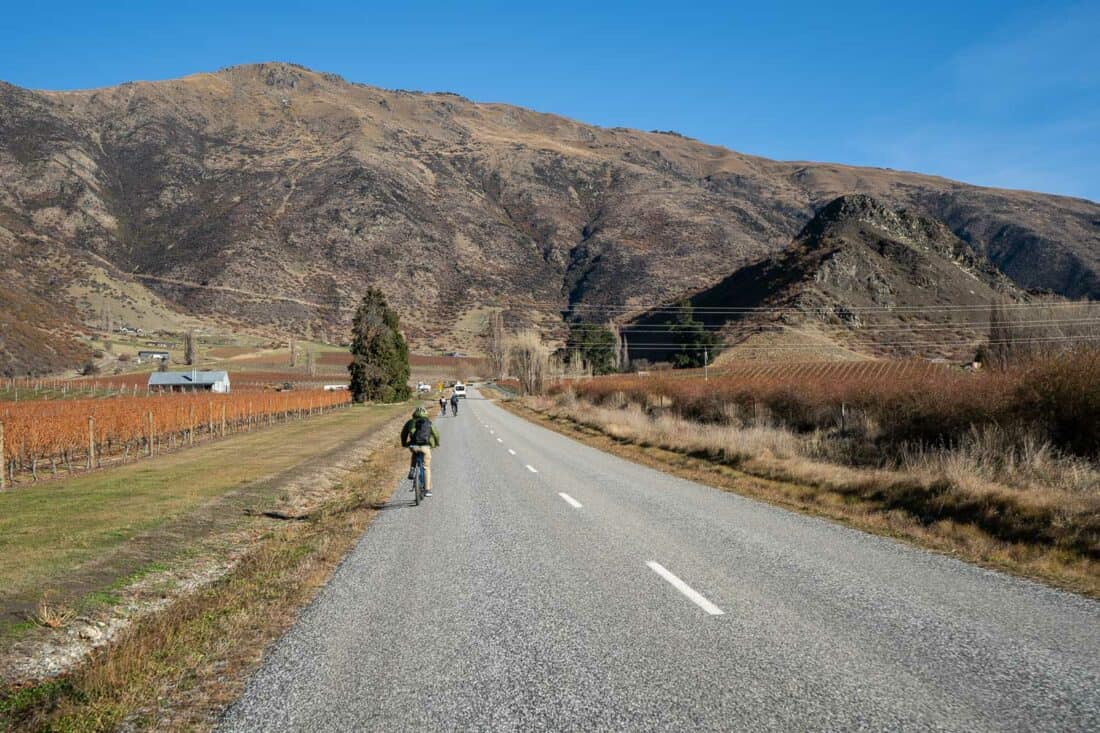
420	436
454	404
443	405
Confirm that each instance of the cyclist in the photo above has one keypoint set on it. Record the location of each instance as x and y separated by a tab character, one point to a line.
454	404
443	405
420	436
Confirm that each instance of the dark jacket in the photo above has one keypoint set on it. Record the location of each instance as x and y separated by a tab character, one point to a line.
410	428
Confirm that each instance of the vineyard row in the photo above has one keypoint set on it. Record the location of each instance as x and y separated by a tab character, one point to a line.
70	435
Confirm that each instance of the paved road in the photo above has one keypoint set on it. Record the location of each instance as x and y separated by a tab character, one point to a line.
548	586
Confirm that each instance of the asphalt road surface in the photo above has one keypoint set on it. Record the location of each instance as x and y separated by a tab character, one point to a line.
549	586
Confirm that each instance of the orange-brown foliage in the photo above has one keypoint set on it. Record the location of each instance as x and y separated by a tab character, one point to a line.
59	429
908	401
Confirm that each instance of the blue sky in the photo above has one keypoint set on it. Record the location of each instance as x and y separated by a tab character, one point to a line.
995	93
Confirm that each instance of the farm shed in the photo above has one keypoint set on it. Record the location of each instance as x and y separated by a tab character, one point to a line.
193	381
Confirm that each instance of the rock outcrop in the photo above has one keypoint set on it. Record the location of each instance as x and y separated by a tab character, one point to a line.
861	275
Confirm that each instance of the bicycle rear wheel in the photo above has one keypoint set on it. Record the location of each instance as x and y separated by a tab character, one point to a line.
418	480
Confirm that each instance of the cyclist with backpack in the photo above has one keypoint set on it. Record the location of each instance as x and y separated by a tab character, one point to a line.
443	405
420	436
454	404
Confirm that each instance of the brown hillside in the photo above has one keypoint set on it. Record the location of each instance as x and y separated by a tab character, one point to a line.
861	278
272	196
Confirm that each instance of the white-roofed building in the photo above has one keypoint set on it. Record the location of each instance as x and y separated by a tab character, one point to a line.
192	381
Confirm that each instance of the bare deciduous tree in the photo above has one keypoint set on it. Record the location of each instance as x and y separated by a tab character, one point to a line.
189	348
496	350
1023	332
528	360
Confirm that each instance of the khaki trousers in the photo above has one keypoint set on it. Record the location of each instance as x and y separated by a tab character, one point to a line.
426	450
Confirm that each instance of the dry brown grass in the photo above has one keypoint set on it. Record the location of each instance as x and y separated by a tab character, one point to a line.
176	669
992	454
1044	524
52	615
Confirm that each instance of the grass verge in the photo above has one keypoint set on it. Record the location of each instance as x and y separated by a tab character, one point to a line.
76	537
1050	536
176	669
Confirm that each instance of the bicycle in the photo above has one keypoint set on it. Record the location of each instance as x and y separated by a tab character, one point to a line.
418	479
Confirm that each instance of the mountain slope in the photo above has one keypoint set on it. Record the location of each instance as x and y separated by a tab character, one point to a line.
860	278
272	196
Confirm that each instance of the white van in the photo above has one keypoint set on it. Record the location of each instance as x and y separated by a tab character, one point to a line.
460	390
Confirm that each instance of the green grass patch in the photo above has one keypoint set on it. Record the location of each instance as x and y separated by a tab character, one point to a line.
54	530
174	670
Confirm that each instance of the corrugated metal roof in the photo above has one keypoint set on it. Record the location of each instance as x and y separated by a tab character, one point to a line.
167	379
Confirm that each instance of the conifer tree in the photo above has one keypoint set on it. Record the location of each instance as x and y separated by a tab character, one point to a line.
380	357
697	346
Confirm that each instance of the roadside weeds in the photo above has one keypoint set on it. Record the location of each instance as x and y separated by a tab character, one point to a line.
1050	536
178	668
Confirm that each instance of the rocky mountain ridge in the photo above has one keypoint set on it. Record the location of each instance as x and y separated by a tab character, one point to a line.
269	196
862	277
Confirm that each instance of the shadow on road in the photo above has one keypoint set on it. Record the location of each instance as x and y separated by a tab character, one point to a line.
401	499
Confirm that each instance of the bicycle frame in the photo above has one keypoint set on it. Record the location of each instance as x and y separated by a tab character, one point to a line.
418	479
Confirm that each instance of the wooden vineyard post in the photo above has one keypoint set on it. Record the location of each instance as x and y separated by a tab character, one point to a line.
91	442
210	418
3	461
223	419
191	428
149	444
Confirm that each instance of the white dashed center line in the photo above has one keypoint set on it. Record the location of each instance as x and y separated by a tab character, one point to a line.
512	452
531	468
499	440
570	500
686	589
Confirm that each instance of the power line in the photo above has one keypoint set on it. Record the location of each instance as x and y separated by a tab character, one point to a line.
650	346
557	305
719	310
933	326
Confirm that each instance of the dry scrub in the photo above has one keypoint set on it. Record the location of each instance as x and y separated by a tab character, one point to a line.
1045	522
885	408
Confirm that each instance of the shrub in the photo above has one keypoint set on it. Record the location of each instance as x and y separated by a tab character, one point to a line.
907	403
1062	395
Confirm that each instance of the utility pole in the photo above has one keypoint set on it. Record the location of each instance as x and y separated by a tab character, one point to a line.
706	365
